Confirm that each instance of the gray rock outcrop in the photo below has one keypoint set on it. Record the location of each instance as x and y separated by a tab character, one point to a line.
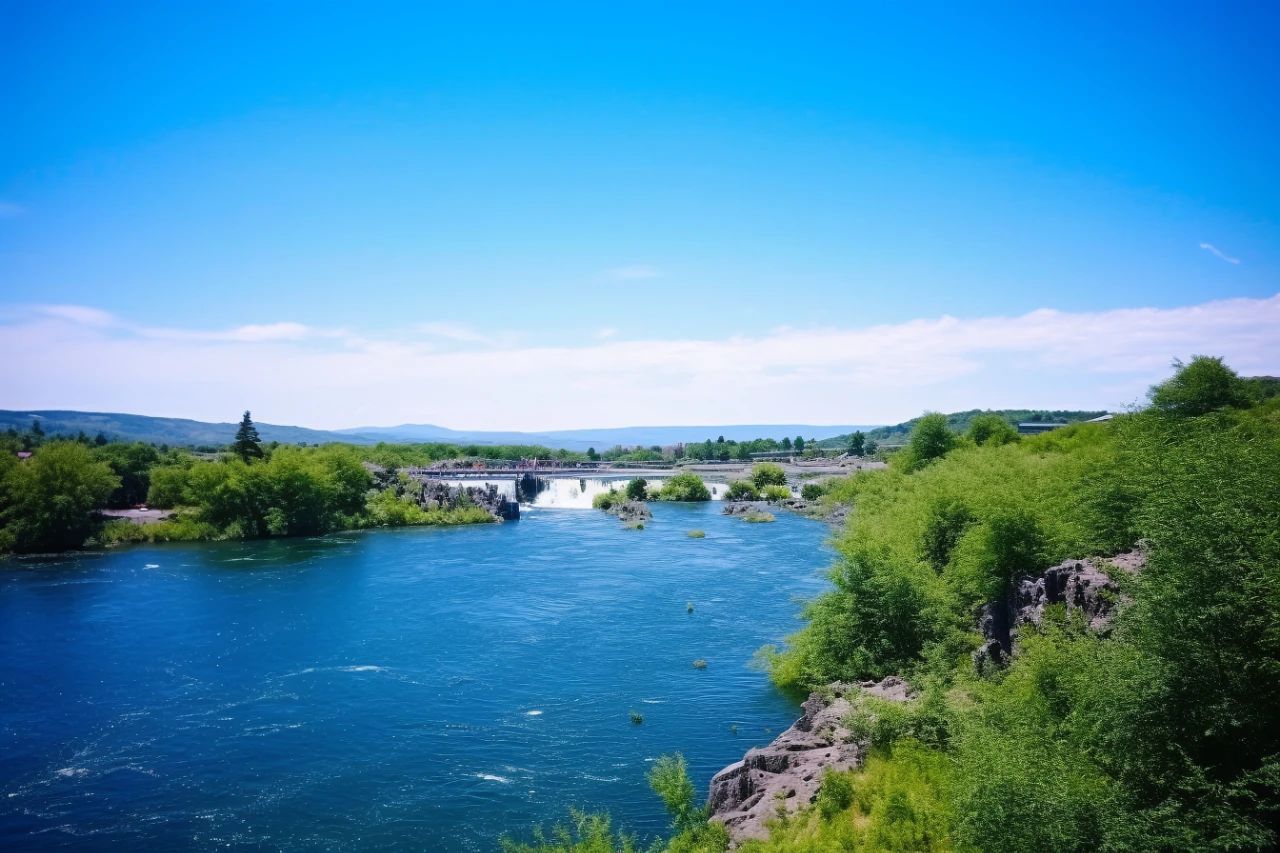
631	512
786	774
1081	586
436	494
744	507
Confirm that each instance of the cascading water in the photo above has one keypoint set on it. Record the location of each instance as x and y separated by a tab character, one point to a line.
568	492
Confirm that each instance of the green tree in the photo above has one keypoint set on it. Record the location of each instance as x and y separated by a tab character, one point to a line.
857	443
46	502
592	455
990	428
930	440
132	463
247	445
637	489
1205	385
798	444
786	443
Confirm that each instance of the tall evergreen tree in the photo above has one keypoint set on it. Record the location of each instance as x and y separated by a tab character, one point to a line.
248	445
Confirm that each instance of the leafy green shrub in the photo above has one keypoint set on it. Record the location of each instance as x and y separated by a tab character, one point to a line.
812	491
897	801
686	486
758	517
177	529
46	501
990	428
607	500
1202	386
931	440
742	490
637	489
835	794
697	534
768	474
776	493
589	833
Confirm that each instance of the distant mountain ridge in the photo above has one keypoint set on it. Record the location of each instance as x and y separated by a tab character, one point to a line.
604	437
173	431
191	433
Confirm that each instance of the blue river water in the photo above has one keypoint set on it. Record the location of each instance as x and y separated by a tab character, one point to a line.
419	689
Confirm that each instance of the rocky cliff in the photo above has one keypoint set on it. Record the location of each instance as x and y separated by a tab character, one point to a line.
1081	586
785	775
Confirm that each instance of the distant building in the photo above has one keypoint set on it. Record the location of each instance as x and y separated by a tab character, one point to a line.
1037	427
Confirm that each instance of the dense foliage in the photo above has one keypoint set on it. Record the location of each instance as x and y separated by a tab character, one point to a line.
46	501
51	490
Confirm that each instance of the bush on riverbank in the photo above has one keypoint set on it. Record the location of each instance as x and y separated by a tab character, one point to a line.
684	487
607	500
742	490
768	474
774	494
46	501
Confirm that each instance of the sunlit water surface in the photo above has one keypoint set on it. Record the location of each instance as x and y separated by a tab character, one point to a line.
412	689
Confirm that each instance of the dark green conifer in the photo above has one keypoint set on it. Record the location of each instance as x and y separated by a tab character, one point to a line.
248	444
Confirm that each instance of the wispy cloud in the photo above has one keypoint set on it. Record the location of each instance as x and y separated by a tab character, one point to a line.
1218	253
634	272
9	210
82	357
606	332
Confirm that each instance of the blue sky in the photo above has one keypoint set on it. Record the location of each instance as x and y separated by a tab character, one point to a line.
497	180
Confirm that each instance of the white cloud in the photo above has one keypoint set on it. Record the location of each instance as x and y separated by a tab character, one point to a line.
634	272
1218	253
81	314
76	357
606	332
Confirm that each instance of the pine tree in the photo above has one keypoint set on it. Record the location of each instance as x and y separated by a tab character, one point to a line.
248	445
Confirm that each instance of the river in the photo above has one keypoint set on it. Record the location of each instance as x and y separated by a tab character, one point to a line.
416	689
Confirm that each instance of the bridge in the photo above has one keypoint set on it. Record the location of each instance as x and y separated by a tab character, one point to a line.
544	472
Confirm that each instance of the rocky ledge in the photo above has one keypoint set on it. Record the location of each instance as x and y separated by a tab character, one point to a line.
1081	586
785	775
744	507
631	512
